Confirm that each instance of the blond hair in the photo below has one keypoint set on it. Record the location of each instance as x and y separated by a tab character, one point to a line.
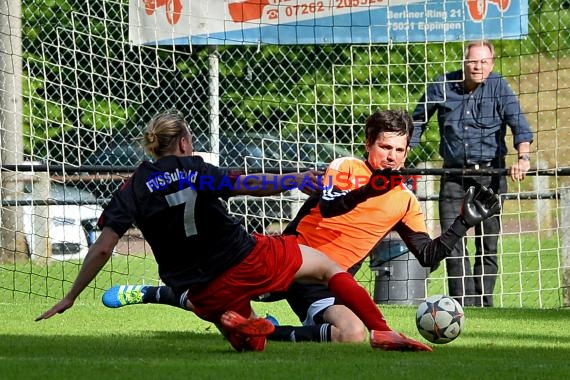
163	131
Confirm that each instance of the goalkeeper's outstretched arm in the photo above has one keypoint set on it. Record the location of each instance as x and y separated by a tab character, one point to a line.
478	205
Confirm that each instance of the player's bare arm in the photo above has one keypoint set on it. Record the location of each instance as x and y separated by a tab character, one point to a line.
99	253
264	184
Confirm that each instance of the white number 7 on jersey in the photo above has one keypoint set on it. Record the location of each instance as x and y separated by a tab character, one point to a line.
187	196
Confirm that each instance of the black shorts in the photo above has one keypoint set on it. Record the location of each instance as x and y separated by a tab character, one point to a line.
309	301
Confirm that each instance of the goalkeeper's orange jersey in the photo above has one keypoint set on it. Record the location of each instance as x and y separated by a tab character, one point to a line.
350	237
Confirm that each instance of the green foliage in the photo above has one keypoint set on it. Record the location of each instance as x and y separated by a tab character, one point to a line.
103	114
43	119
67	42
548	29
428	148
347	83
55	40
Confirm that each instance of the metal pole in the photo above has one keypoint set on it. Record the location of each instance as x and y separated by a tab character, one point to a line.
542	206
425	187
214	89
406	172
564	205
12	239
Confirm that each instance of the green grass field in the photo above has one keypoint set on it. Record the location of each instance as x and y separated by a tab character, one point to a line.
155	342
530	275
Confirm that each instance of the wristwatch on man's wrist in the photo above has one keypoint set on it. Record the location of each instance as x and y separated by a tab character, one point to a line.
524	157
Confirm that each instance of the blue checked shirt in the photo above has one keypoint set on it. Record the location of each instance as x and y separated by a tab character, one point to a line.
473	125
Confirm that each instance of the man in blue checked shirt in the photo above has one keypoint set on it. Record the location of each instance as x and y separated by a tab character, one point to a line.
474	107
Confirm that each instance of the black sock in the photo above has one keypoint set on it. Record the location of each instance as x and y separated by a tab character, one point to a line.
161	295
316	333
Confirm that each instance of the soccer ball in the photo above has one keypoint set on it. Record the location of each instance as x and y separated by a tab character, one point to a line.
440	319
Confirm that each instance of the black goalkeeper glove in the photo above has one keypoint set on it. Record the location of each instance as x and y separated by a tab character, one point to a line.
478	206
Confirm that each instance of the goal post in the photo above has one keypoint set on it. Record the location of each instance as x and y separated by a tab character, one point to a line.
12	244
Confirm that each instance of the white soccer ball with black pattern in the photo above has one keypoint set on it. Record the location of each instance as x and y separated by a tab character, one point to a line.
440	319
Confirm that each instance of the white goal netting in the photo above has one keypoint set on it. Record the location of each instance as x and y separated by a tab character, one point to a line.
77	84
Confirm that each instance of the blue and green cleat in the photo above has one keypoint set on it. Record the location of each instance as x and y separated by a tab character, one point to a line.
122	295
271	319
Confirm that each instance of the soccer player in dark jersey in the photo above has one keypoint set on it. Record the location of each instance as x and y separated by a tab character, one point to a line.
206	256
345	224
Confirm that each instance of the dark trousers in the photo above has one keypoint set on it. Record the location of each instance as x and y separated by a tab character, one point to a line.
471	288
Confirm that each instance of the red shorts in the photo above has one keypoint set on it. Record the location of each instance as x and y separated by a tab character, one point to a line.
270	267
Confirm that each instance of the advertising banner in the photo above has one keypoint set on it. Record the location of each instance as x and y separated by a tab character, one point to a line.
289	22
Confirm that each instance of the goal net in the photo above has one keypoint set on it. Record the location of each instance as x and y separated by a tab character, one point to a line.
274	85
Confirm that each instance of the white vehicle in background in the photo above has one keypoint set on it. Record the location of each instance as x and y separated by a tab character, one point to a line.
71	224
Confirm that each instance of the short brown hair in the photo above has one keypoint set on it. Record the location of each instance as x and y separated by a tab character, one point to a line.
396	121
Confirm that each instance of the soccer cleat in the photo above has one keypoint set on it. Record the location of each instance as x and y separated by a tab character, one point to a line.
235	323
395	341
122	295
272	319
246	334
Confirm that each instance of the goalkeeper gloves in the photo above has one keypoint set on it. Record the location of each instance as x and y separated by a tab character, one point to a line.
479	205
